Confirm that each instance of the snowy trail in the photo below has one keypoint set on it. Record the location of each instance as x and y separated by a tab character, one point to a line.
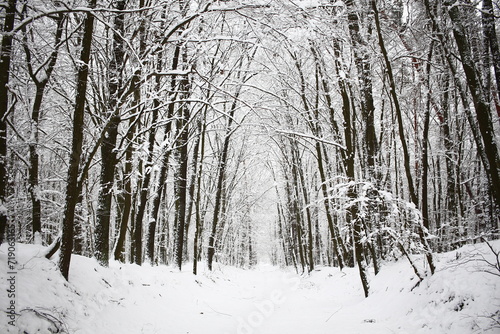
266	300
127	299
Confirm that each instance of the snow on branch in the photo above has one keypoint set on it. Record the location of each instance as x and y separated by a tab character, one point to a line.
308	136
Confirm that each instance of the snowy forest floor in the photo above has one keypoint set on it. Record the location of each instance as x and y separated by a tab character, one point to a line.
460	298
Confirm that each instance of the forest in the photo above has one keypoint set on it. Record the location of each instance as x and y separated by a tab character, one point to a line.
306	134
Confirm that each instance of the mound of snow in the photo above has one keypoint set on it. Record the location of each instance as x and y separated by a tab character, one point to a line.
461	297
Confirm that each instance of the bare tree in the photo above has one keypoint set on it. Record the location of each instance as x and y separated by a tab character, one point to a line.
479	99
5	58
72	192
109	136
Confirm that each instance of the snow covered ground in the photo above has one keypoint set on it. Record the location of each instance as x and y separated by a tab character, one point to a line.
460	298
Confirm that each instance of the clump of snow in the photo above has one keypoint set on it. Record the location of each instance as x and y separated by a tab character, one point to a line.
461	297
37	238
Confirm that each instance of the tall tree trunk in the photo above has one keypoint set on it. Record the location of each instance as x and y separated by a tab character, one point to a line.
425	150
181	153
198	222
352	212
335	234
345	154
221	168
399	116
72	192
479	99
119	250
451	160
406	157
361	58
305	195
221	171
190	196
195	165
143	193
450	59
489	30
297	205
5	58
220	184
181	172
108	146
40	85
162	178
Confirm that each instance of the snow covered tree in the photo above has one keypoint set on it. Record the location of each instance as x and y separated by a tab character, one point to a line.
72	191
5	59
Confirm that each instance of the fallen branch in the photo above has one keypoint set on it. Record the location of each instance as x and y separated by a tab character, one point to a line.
53	248
57	325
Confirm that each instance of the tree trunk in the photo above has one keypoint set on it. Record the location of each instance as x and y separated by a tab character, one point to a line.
361	58
143	194
5	58
295	197
310	242
450	59
491	36
221	169
335	234
425	151
72	192
181	173
164	164
108	146
451	159
127	193
352	212
198	222
479	99
218	195
191	190
40	86
406	157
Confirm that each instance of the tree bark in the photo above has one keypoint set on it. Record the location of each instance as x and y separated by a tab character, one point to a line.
361	58
479	99
352	211
489	30
181	172
164	162
296	206
143	195
181	153
305	195
406	158
221	170
198	221
40	85
312	122
425	151
5	58
108	146
127	193
72	192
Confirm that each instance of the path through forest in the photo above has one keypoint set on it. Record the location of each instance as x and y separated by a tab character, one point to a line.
124	298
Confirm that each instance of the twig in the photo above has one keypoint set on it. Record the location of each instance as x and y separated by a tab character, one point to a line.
333	314
60	326
229	315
